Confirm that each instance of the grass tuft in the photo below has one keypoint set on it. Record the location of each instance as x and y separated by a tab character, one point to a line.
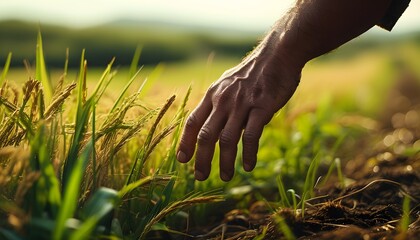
70	172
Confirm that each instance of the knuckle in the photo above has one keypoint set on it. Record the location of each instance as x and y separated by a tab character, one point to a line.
250	138
191	122
212	89
205	135
226	139
185	144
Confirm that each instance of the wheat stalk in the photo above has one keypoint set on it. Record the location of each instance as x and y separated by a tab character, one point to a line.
58	101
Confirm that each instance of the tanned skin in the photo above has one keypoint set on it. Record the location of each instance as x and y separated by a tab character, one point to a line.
245	98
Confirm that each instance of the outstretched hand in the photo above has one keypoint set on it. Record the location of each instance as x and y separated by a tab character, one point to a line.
240	103
246	97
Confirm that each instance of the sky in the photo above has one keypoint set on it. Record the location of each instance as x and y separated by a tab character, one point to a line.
239	14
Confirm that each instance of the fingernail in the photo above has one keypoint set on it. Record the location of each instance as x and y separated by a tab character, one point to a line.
248	167
199	175
225	176
181	157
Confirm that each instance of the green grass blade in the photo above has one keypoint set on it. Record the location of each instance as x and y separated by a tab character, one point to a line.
5	68
329	172
163	202
94	162
282	190
284	228
44	197
163	227
66	65
155	74
81	95
80	129
104	76
405	219
340	176
82	118
308	187
120	97
130	187
41	73
134	62
71	194
261	236
85	230
292	192
311	176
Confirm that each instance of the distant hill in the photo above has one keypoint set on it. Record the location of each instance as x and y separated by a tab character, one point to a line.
185	27
161	41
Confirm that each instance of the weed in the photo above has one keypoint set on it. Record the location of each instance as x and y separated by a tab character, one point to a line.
405	219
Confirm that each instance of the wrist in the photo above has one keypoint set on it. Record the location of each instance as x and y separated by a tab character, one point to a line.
280	53
283	45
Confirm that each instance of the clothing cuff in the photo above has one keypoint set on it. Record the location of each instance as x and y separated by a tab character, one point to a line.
395	10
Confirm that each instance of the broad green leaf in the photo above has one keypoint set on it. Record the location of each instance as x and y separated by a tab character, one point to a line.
9	235
40	228
98	206
101	203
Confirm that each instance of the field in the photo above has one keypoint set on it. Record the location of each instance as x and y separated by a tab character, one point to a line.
88	152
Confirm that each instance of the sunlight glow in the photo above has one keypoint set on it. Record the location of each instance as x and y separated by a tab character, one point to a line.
242	15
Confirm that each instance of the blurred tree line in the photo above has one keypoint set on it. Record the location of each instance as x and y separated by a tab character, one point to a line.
160	43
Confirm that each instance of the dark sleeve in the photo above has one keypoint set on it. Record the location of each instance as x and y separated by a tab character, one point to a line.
395	10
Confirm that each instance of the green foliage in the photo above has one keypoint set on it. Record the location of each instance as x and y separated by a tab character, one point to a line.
41	69
45	194
5	68
71	192
284	228
65	182
283	196
405	219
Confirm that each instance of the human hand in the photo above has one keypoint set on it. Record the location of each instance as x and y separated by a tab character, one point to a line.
240	103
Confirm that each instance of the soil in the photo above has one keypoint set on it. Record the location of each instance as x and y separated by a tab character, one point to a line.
369	208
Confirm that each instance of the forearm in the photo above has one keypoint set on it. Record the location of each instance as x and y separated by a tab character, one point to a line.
315	27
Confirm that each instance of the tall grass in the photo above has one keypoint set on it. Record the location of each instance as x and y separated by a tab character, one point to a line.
67	172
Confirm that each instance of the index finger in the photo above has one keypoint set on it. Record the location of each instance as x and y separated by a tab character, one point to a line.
191	129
